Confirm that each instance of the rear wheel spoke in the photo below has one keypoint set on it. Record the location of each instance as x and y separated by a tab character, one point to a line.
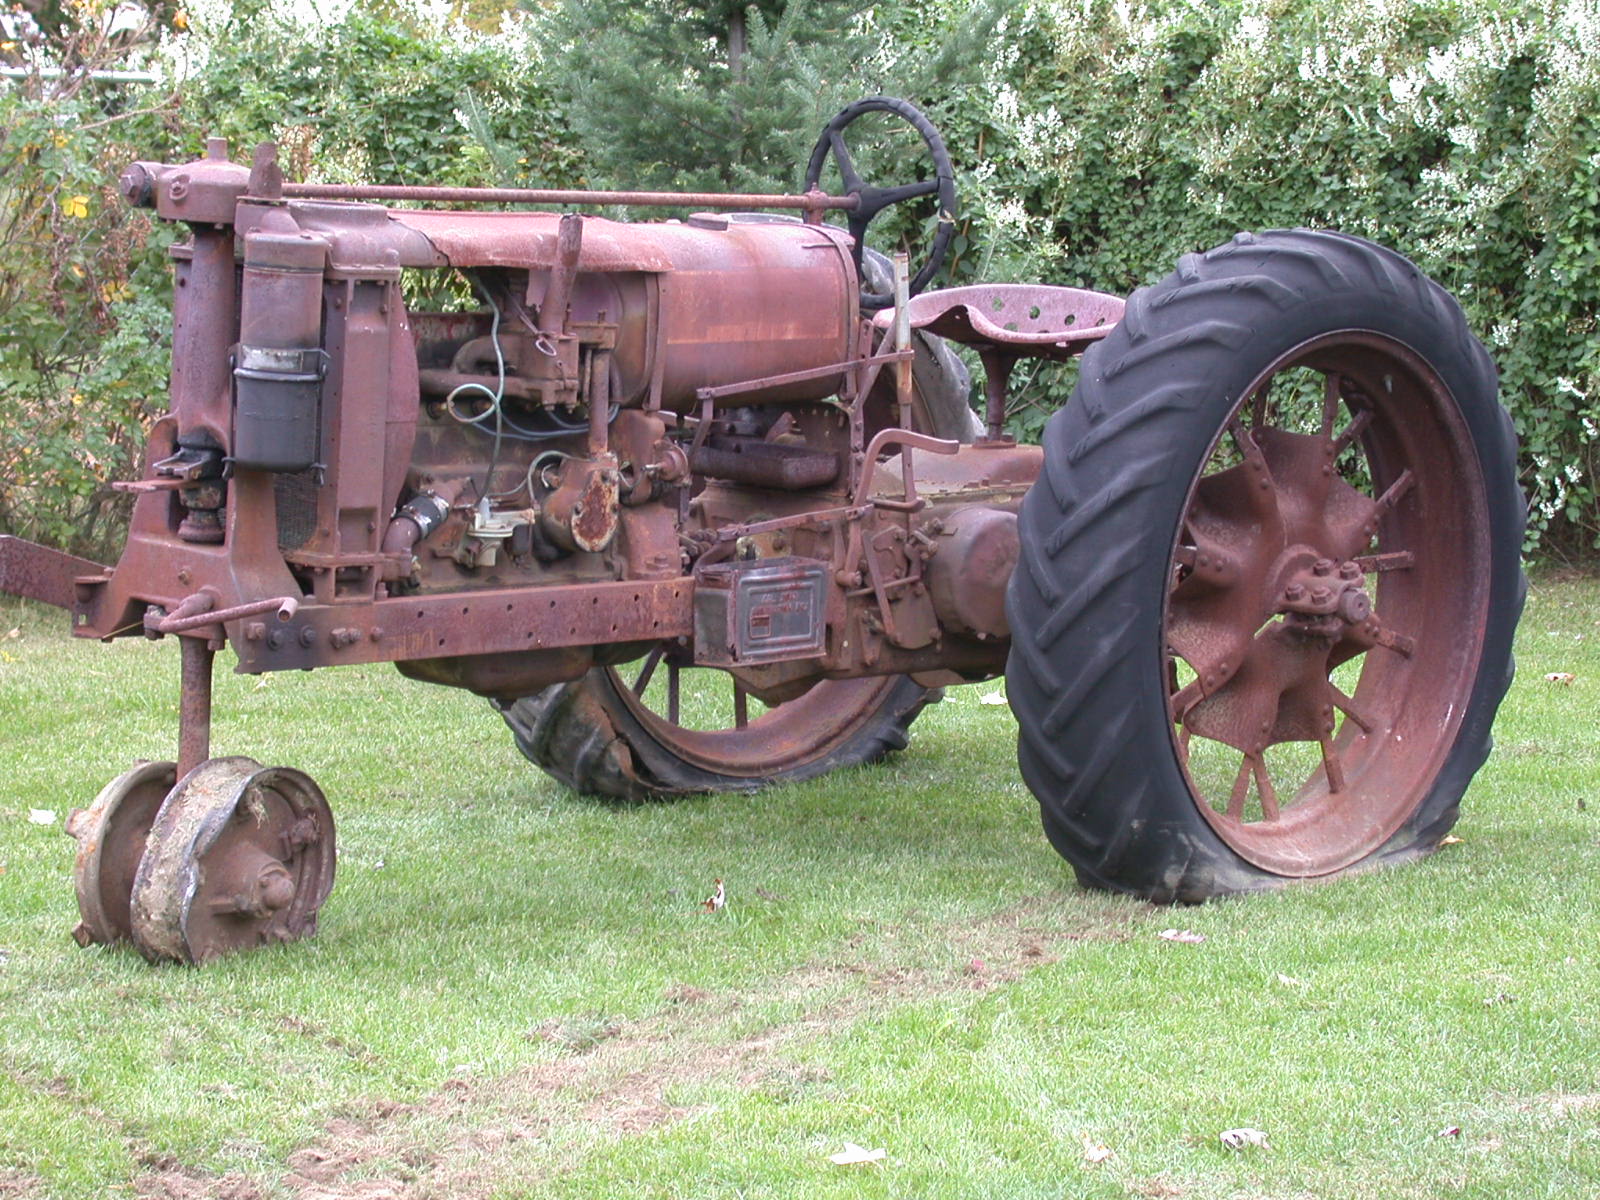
1241	788
1348	706
1352	431
1264	789
1331	399
652	660
1331	766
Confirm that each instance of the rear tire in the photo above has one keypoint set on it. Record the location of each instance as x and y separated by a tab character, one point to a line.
595	737
1165	613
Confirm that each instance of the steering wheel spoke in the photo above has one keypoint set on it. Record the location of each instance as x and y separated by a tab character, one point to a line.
847	166
870	200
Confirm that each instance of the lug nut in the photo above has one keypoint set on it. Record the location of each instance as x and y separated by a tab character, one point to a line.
1323	566
1321	595
1349	570
1294	593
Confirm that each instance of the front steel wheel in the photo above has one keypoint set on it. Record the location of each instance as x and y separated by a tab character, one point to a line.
1270	575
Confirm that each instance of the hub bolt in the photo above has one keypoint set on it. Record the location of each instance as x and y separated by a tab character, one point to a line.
1323	566
1321	595
1349	570
1294	593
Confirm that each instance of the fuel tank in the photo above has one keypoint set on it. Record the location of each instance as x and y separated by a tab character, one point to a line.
705	302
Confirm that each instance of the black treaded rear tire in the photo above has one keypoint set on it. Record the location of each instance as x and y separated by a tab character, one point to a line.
1088	605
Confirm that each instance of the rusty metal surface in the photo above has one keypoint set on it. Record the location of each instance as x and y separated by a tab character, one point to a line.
831	371
1034	319
455	195
110	834
205	318
194	703
764	464
240	856
197	612
976	549
487	621
792	732
1271	594
768	610
40	573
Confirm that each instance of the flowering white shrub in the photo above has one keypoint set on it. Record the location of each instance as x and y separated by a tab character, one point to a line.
1465	135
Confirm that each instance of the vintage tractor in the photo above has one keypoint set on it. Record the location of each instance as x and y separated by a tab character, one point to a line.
1253	596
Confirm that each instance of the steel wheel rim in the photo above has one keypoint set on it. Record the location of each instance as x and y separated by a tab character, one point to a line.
1413	660
111	837
267	805
783	739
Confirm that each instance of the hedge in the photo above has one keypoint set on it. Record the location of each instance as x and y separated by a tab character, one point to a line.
1109	138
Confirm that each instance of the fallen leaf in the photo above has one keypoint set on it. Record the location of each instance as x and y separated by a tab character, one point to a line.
993	698
1449	839
1187	936
715	901
1290	980
856	1156
41	816
1093	1152
14	633
1238	1139
1561	677
1450	1131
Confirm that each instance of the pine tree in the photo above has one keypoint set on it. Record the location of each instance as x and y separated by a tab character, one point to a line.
724	95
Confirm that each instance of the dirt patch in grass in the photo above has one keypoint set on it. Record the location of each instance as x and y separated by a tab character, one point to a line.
616	1079
1157	1187
173	1181
314	1032
1561	1105
18	1185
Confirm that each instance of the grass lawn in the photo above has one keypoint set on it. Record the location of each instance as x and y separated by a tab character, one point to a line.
514	992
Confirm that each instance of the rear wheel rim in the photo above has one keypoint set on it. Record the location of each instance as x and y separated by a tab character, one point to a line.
1329	590
769	742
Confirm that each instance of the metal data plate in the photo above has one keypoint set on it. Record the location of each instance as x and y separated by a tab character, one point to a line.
768	610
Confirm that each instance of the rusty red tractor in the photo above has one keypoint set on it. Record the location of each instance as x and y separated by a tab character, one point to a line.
1253	596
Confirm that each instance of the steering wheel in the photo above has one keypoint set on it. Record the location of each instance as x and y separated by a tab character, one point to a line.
873	200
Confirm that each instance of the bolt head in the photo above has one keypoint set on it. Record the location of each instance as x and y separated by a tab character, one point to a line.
1294	593
1323	566
1349	570
276	888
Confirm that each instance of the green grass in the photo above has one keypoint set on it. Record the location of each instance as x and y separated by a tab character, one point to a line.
513	991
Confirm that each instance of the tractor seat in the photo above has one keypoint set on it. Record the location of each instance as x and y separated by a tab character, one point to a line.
1029	320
